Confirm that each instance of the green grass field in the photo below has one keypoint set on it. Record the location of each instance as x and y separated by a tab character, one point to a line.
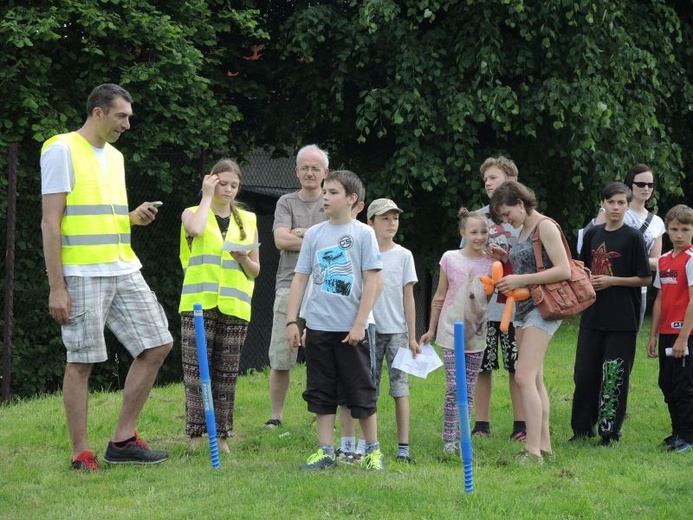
261	479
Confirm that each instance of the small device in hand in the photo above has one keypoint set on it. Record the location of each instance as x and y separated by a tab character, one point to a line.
157	204
667	351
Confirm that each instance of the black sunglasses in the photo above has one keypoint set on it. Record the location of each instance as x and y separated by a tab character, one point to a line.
644	184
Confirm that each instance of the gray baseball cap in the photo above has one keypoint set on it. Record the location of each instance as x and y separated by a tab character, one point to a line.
381	206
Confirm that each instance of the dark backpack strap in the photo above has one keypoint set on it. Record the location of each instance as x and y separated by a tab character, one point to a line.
537	245
646	224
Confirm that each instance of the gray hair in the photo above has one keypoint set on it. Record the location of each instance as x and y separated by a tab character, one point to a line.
313	148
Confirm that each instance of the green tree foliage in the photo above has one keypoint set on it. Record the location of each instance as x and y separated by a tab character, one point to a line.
411	94
415	94
183	62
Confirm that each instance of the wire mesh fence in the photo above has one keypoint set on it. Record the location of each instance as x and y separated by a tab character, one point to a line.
37	337
265	179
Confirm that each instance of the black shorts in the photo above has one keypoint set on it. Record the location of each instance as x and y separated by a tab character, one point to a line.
508	348
338	374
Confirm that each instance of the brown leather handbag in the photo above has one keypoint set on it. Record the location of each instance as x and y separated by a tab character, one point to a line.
558	300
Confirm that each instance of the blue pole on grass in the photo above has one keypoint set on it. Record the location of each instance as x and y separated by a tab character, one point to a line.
462	407
206	383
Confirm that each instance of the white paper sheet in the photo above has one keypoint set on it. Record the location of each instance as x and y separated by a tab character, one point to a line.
419	366
233	247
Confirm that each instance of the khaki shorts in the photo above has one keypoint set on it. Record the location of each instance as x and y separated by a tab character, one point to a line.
125	304
281	357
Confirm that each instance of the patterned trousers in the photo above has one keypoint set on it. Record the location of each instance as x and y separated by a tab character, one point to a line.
225	336
451	420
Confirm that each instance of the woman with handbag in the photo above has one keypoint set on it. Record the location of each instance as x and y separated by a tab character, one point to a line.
515	204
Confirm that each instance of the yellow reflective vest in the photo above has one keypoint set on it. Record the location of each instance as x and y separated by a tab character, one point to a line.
95	227
212	277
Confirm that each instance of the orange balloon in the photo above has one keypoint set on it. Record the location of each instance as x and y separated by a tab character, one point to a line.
496	271
507	314
489	285
521	293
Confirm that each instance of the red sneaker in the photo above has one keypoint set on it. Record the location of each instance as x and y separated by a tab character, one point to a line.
85	462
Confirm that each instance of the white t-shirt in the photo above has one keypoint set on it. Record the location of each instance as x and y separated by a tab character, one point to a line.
58	176
398	271
335	256
654	230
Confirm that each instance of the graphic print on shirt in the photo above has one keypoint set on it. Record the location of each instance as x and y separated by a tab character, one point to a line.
601	260
668	277
497	234
334	271
612	373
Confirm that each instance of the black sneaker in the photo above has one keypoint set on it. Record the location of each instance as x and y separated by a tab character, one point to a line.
608	441
685	447
134	452
675	444
319	460
405	459
668	441
579	437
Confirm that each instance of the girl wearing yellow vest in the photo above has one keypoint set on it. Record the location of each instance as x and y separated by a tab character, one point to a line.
220	257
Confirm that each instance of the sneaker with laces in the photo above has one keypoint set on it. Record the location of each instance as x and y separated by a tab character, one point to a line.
85	462
319	460
406	459
374	461
134	452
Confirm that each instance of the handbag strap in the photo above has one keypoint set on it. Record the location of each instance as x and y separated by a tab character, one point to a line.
646	224
536	244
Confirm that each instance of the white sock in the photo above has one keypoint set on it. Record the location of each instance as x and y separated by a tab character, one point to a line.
348	444
361	447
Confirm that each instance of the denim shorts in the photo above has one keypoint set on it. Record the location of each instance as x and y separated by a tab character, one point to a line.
533	319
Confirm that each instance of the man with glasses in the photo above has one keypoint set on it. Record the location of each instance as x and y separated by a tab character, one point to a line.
294	214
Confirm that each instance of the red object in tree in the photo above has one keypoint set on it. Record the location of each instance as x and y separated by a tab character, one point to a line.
256	53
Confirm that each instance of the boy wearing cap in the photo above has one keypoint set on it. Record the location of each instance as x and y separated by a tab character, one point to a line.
394	313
